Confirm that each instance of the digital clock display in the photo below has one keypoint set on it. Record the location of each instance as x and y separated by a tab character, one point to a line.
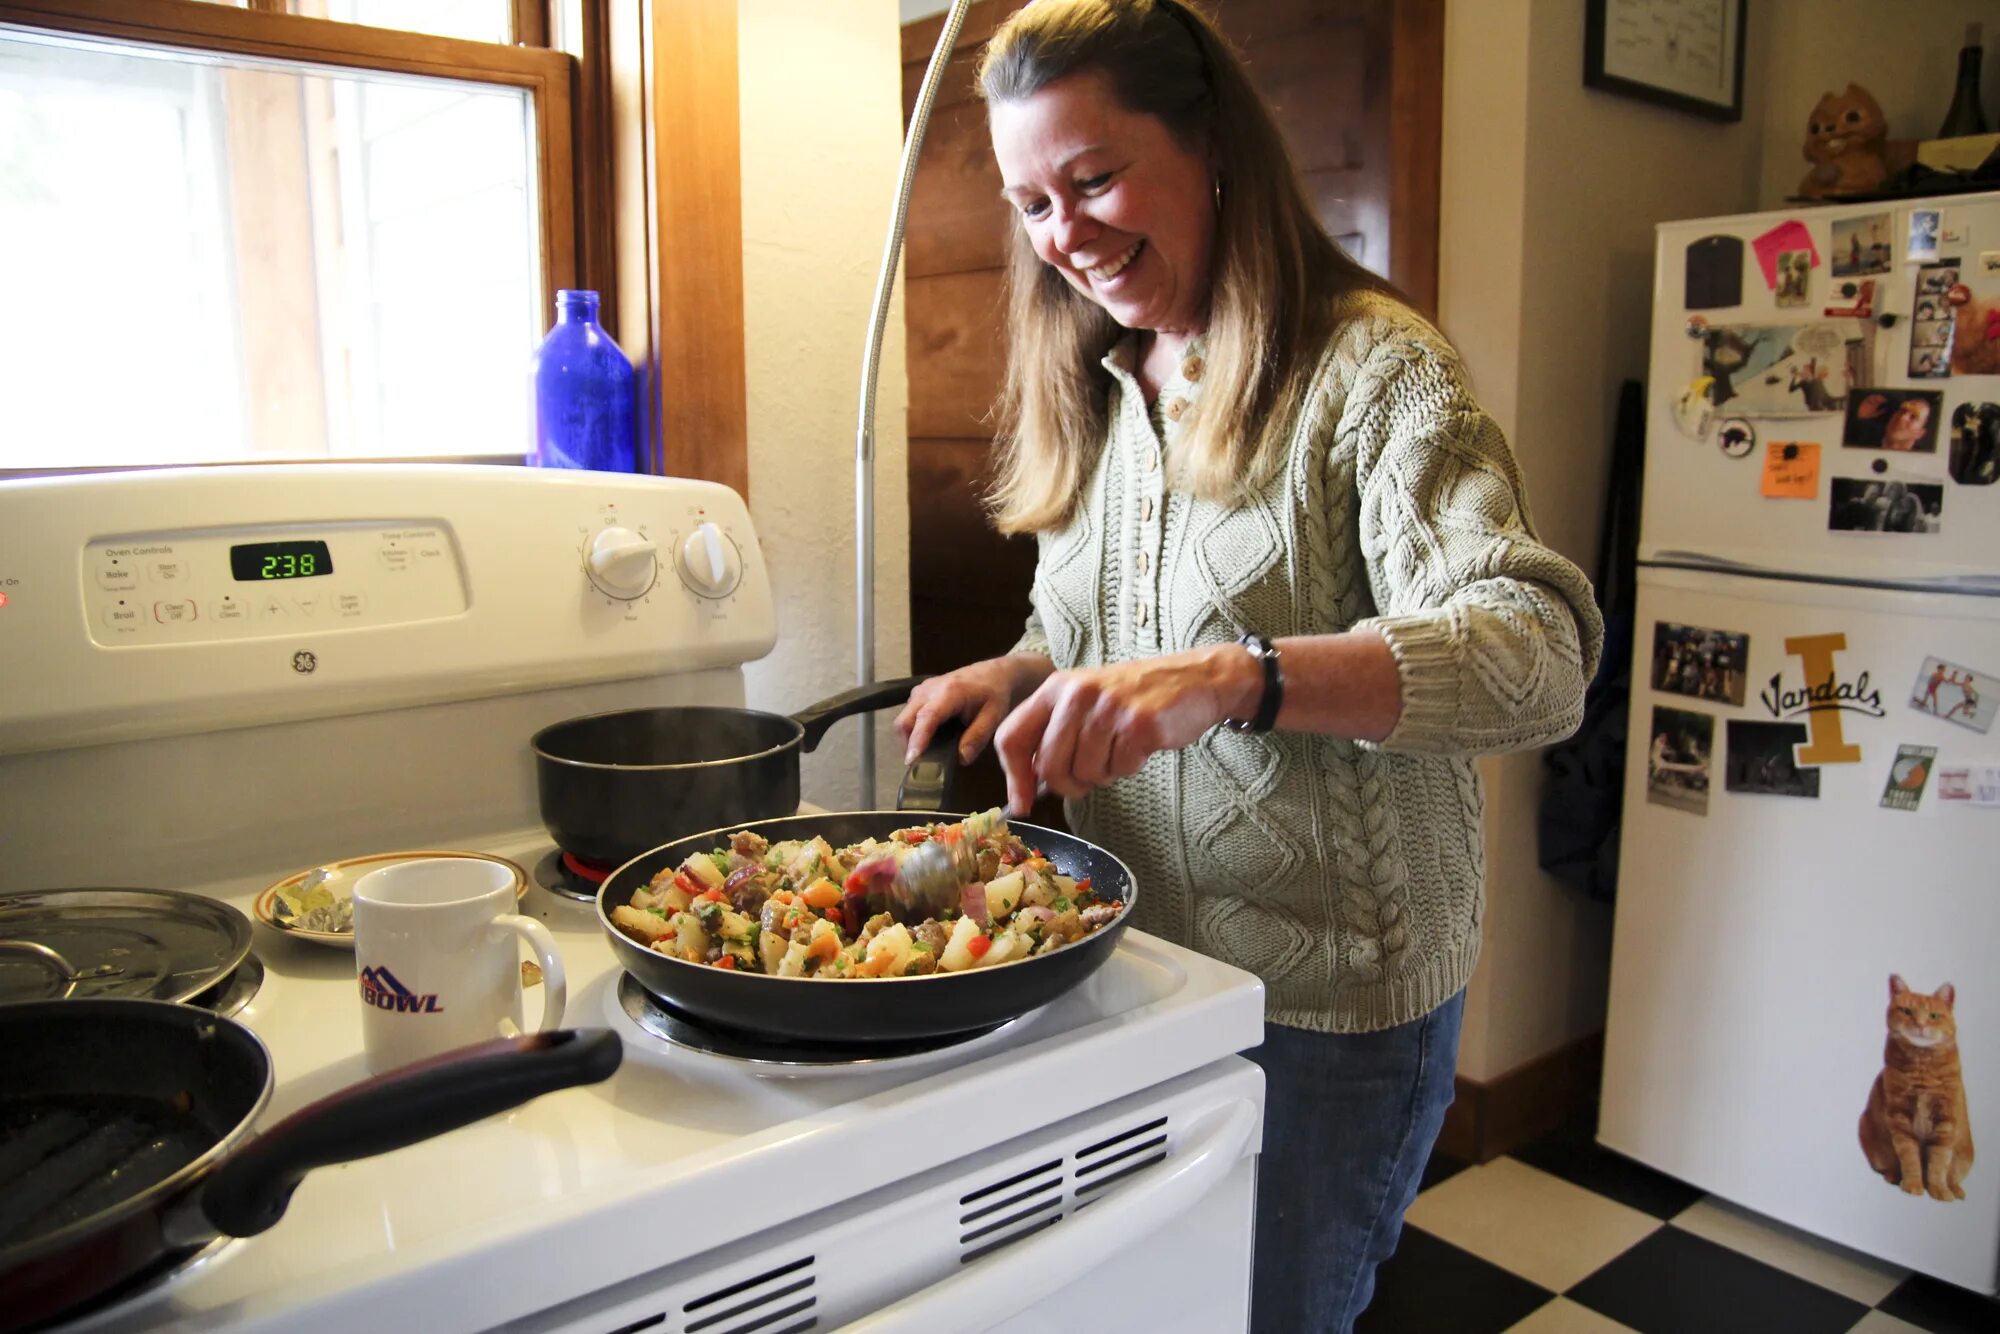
261	562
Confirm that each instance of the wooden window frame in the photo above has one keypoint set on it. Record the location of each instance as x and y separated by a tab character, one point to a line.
610	185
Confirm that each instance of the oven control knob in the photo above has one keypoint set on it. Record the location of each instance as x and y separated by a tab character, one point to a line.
710	564
621	562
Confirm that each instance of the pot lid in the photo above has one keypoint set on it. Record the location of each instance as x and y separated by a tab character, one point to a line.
154	944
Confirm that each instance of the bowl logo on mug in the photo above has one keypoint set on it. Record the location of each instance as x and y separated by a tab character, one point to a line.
380	989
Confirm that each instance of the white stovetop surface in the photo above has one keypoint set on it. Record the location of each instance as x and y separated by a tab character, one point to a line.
581	1189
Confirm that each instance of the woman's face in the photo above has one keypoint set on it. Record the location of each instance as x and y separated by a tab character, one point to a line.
1111	201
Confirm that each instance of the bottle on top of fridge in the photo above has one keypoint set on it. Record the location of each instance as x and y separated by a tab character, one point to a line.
1967	114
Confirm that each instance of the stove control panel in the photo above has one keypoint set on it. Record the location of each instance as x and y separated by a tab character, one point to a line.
164	602
256	582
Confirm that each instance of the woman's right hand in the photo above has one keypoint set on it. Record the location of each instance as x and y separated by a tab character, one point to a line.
982	694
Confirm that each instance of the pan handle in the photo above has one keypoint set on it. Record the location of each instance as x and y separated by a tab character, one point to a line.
928	782
249	1192
817	718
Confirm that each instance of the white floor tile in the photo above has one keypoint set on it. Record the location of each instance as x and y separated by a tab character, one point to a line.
1877	1323
1529	1222
1563	1316
1849	1273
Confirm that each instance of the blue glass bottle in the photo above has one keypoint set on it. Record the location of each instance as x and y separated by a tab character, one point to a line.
584	393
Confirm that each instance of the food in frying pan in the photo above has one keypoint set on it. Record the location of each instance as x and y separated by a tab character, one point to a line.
803	909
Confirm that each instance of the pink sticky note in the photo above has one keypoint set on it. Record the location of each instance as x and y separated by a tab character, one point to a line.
1788	235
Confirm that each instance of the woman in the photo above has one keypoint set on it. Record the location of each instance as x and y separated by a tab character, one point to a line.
1215	422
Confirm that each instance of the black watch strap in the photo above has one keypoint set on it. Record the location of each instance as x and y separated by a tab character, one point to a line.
1273	697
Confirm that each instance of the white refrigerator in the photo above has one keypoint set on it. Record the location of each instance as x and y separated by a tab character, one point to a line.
1805	986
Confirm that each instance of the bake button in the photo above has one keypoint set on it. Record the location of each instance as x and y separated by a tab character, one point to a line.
117	577
306	602
350	604
122	616
174	613
168	571
229	609
272	608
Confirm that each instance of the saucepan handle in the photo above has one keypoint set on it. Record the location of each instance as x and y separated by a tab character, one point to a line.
817	718
249	1192
928	781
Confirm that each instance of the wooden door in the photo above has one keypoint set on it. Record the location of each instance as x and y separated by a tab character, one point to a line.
1356	87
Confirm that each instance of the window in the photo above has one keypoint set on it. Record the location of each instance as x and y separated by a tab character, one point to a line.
275	236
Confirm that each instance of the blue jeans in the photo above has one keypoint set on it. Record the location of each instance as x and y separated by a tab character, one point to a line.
1349	1121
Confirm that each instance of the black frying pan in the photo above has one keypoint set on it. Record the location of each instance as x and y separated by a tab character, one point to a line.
125	1141
882	1009
612	784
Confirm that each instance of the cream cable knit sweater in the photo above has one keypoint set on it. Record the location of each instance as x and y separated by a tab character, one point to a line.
1350	877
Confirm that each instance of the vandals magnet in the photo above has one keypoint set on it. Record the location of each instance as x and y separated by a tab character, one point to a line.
1822	701
1956	694
1908	773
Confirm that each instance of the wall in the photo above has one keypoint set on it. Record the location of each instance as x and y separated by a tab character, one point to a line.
1550	194
1906	55
821	143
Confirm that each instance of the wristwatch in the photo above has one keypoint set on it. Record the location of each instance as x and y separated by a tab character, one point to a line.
1273	697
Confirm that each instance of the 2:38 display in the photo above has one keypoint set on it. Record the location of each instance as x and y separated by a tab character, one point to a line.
262	562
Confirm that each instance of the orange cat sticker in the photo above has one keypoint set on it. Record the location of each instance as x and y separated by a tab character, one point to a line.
1916	1131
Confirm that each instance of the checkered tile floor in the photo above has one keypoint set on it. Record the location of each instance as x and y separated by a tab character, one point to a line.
1564	1237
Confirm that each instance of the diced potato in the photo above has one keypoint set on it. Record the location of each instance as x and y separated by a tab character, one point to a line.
773	949
888	952
702	870
957	956
1007	946
1004	895
647	926
690	939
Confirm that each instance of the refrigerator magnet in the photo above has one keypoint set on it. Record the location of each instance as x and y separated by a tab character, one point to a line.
1760	760
1885	505
1791	470
1677	761
1737	437
1908	773
1932	320
1904	421
1861	246
1784	369
1790	237
1956	693
1925	223
1975	444
1822	700
1989	263
1853	298
1975	348
1698	662
1954	782
1714	273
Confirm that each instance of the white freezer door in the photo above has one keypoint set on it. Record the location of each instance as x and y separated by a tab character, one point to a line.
1698	499
1753	945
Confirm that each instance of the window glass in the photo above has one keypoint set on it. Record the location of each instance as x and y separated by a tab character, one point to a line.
237	259
475	20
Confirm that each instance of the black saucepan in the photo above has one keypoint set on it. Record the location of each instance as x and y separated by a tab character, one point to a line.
125	1140
881	1010
613	784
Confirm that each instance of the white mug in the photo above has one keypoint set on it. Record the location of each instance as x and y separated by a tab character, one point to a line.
437	956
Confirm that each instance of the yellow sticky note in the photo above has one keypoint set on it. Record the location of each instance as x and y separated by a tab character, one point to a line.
1791	471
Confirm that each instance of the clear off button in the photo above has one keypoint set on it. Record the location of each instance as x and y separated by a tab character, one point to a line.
122	616
174	613
117	577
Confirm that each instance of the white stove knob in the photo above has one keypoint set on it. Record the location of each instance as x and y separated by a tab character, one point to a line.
621	562
710	563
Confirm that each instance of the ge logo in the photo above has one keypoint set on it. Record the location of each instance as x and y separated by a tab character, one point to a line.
304	662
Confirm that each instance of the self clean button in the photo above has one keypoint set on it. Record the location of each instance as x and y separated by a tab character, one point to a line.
229	610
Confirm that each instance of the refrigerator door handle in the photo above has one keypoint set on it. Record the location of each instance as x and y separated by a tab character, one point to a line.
1968	585
1023	1274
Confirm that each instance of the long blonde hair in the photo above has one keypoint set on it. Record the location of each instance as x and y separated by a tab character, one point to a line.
1275	273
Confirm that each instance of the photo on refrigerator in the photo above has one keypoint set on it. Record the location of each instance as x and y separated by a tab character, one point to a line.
1677	760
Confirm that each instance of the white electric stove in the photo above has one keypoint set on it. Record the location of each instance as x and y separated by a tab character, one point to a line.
215	678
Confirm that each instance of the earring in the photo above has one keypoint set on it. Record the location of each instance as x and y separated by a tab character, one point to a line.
1218	193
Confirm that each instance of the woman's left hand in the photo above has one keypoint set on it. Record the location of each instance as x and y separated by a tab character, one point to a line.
1090	726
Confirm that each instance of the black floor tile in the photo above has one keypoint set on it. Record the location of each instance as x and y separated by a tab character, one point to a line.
1430	1285
1932	1304
1440	1168
1575	1157
1674	1282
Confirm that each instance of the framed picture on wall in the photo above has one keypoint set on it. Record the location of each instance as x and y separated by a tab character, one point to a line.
1685	54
